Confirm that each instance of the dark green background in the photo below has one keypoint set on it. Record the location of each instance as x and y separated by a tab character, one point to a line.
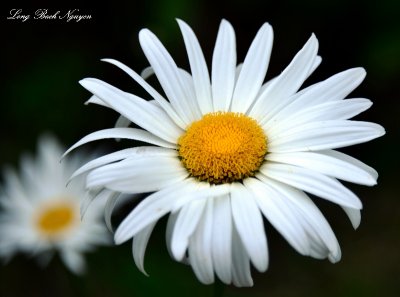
42	62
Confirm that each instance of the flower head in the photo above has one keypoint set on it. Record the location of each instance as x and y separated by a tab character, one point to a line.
40	214
227	150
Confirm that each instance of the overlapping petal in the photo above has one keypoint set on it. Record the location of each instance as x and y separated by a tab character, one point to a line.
278	93
253	71
198	66
168	75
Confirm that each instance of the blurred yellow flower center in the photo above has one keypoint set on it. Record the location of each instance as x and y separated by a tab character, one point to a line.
223	147
55	219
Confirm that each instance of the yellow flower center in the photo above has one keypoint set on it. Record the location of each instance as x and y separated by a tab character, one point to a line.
55	219
223	147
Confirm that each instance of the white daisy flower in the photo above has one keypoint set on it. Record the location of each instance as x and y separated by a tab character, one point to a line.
228	150
40	214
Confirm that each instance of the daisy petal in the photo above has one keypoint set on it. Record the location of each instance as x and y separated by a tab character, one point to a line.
278	93
323	135
204	190
332	110
90	196
322	239
317	61
108	209
348	159
221	247
14	188
139	244
354	216
315	65
200	247
131	175
156	96
184	226
312	182
249	225
126	133
170	230
122	122
96	100
223	67
123	154
141	112
168	75
274	208
147	72
323	162
253	71
74	261
337	87
198	66
188	84
237	71
241	273
151	209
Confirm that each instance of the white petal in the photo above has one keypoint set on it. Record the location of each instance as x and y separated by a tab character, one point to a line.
139	245
249	225
15	190
277	94
188	85
335	88
237	71
200	247
123	154
122	122
108	209
322	239
241	273
276	210
222	238
223	67
315	65
317	62
184	226
324	162
313	182
331	110
74	261
198	66
147	72
346	158
170	230
159	99
354	216
138	175
152	208
141	112
90	196
324	135
96	100
253	72
168	75
126	133
203	192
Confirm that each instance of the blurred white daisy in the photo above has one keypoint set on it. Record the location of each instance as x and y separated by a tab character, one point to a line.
40	214
230	149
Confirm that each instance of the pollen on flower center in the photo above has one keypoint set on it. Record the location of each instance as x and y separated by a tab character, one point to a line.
55	219
223	147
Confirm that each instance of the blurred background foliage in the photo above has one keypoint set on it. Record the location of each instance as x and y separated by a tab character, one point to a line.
43	60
